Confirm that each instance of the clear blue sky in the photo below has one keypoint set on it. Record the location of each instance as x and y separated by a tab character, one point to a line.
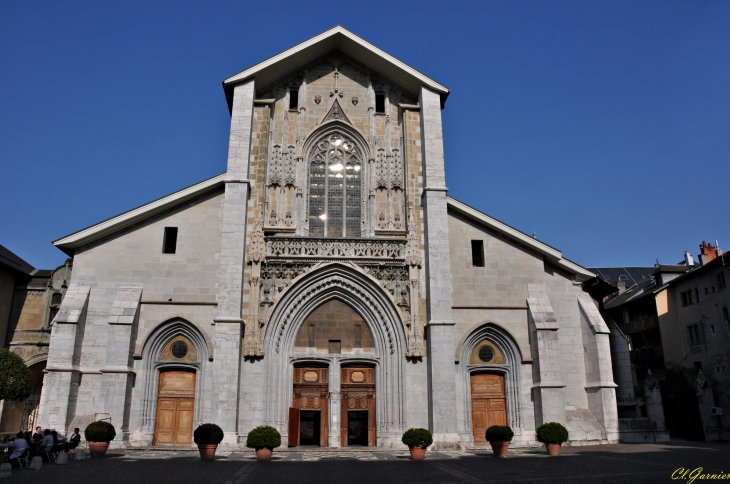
602	125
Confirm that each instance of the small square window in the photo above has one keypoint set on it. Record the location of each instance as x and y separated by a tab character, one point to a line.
380	103
169	241
294	99
477	253
707	292
713	330
698	365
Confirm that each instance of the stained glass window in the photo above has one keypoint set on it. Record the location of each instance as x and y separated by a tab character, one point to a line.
335	173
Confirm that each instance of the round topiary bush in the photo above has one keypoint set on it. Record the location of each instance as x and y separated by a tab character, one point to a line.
208	434
499	433
100	432
263	437
552	433
417	438
15	380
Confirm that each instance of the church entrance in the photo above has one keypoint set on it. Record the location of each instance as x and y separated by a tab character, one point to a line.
358	406
308	414
488	404
175	408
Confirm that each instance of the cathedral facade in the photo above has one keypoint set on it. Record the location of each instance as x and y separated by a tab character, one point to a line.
326	284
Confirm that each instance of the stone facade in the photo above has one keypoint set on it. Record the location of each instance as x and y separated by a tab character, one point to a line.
335	196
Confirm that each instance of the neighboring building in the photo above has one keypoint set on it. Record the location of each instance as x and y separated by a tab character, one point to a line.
29	300
326	285
676	318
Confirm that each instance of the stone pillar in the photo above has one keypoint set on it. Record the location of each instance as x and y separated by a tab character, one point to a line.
706	400
58	397
228	322
654	408
548	388
441	372
118	371
335	400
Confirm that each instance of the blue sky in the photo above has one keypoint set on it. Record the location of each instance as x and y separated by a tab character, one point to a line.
604	126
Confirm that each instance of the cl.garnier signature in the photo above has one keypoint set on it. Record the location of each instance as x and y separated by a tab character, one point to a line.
690	475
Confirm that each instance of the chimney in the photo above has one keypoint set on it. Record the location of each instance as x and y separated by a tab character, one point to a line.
688	259
621	285
707	253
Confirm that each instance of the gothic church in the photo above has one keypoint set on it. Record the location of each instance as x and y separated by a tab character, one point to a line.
326	284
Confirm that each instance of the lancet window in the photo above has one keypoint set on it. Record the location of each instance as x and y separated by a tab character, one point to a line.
335	180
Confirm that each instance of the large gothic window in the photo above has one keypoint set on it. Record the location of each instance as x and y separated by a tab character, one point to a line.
335	173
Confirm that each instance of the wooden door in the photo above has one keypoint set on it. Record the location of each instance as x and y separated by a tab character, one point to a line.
311	393
175	408
293	427
357	386
488	404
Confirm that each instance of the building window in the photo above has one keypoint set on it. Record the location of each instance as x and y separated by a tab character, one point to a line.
335	173
169	241
687	298
477	253
696	335
294	99
380	103
698	365
52	315
724	315
721	281
56	298
713	330
697	295
707	292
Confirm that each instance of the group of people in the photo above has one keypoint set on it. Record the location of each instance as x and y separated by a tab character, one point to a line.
42	441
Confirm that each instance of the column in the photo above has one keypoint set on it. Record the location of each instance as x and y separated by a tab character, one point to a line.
228	322
441	371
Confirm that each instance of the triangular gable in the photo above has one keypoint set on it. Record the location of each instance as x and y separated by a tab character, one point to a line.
336	38
71	242
551	254
336	113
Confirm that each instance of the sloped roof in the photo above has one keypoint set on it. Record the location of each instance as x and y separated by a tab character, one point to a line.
336	38
14	262
71	242
552	254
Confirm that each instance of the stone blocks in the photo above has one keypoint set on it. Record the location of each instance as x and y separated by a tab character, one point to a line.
80	454
6	470
36	463
62	458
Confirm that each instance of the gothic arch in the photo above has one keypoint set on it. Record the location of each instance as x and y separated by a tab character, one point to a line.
374	305
150	366
510	369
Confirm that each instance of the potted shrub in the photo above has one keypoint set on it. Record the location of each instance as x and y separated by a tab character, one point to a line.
417	440
264	439
552	434
98	435
499	437
207	437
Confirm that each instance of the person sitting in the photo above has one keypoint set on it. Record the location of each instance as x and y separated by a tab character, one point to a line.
19	446
74	440
47	444
57	444
38	435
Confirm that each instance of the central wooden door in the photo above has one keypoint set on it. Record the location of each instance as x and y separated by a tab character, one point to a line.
357	420
488	404
309	408
175	408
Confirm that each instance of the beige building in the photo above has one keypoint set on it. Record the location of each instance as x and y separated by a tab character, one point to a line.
325	284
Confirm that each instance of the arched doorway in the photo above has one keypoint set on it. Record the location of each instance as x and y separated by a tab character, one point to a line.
358	406
308	415
176	394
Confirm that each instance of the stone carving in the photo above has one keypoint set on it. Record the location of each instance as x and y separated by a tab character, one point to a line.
254	342
317	99
289	172
413	253
397	223
257	244
276	166
304	247
288	221
381	221
355	100
336	113
396	172
381	177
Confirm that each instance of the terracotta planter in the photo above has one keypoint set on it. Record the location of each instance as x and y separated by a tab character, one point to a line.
98	449
263	455
500	448
207	451
418	453
553	449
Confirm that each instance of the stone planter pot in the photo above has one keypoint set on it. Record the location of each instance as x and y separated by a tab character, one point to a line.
98	449
553	449
418	453
500	448
263	455
207	452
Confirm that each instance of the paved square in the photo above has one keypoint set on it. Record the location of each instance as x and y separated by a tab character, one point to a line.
621	463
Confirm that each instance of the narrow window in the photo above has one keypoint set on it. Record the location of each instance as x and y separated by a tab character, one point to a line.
724	315
56	298
696	335
684	299
294	99
310	336
721	281
169	241
335	346
713	330
477	253
358	336
380	103
52	315
698	365
707	292
697	295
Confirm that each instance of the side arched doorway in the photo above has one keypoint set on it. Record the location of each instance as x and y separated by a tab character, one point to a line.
175	408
